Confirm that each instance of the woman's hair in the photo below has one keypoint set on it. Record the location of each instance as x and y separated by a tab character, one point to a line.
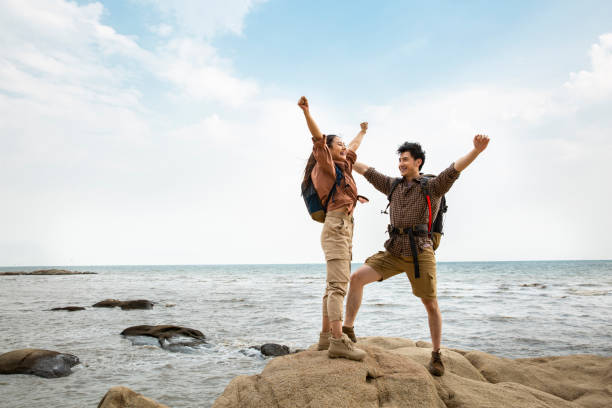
329	139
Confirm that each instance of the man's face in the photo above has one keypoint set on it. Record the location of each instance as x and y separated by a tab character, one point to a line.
408	166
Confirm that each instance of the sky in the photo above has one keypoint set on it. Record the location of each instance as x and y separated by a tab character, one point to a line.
154	132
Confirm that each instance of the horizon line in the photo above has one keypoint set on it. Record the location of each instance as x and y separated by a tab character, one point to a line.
299	263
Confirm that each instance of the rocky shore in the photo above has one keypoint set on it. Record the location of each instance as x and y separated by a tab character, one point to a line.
394	375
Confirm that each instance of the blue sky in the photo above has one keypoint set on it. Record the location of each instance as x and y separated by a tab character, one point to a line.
151	128
391	46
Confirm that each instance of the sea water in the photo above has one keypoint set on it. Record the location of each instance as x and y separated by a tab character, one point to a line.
510	309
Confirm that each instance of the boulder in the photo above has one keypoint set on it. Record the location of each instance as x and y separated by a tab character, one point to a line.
69	308
43	363
584	379
125	304
272	349
394	374
123	397
167	335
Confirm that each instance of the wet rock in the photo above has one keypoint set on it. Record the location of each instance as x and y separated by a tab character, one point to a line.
107	303
43	363
123	397
136	304
47	272
274	350
126	305
69	308
168	336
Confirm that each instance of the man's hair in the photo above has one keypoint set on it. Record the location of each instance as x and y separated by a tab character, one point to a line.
415	151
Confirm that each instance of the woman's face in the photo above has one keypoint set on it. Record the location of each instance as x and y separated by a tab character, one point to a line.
338	149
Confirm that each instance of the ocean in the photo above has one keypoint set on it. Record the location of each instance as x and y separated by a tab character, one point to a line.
510	309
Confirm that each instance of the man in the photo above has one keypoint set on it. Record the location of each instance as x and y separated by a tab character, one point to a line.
410	235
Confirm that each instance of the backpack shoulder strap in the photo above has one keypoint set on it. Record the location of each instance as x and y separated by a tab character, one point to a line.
394	184
423	182
339	177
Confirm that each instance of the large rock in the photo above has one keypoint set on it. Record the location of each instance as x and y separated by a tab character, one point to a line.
394	374
584	379
125	304
43	363
167	335
123	397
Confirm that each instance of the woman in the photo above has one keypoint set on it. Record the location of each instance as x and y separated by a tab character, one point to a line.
329	152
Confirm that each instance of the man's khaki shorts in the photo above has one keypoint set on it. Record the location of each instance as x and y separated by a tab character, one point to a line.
388	265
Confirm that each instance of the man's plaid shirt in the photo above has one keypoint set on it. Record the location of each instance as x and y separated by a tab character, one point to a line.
409	206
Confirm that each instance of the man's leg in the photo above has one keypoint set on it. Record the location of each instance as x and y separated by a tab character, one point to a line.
362	276
436	366
435	321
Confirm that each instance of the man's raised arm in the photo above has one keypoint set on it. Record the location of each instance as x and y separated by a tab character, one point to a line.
312	126
480	143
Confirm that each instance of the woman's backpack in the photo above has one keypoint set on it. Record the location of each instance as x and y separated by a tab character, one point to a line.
315	207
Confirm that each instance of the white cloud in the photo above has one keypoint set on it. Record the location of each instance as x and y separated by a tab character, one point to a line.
195	68
206	18
595	84
163	30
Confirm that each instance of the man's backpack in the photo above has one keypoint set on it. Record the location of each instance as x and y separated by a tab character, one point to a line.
436	226
315	207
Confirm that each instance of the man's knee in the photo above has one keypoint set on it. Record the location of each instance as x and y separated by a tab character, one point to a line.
431	305
364	275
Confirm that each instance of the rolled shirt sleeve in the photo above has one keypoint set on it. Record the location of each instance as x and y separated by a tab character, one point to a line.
323	156
438	186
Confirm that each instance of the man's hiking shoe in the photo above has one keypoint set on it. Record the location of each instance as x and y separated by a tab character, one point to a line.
343	347
435	364
323	341
350	332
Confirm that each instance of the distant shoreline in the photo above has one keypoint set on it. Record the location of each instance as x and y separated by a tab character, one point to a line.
46	272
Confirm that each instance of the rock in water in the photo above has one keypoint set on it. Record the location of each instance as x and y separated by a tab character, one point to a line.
165	333
43	363
393	374
274	350
47	272
69	308
126	304
107	303
123	397
136	304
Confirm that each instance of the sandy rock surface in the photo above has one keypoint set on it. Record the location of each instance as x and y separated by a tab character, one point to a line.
123	397
394	374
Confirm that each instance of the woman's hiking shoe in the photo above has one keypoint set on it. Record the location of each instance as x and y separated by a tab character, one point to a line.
343	347
323	341
350	332
435	364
